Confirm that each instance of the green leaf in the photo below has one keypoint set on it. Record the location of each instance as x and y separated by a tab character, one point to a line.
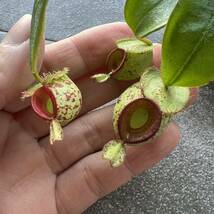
147	16
37	35
114	151
188	46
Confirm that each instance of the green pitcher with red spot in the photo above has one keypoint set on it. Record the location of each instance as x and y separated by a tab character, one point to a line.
58	100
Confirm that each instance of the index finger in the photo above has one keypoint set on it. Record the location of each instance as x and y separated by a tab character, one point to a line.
85	52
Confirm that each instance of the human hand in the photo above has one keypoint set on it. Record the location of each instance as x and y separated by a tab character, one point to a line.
71	175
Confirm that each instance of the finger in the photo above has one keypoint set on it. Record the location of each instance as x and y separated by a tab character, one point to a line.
16	71
5	122
193	96
12	50
82	137
94	177
19	32
15	74
86	51
157	55
94	95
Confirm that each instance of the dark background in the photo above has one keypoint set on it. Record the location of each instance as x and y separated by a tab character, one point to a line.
183	182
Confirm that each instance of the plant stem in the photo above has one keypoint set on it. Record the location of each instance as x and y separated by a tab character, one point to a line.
37	76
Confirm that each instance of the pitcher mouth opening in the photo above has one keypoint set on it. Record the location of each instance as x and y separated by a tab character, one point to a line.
139	121
44	103
115	60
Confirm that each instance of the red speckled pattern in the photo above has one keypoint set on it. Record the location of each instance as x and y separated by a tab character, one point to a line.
68	99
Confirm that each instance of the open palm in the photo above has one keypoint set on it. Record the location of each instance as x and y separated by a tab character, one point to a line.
69	176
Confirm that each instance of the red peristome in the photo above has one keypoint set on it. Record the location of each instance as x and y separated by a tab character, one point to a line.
39	101
148	130
115	60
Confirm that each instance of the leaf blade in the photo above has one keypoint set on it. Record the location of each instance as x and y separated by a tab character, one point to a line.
37	35
188	45
150	15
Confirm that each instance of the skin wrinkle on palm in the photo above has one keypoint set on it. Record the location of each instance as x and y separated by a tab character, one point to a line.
182	183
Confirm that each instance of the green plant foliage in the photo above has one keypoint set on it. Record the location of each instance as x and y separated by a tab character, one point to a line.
188	46
147	16
37	35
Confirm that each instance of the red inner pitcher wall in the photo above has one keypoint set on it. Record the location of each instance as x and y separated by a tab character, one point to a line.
39	101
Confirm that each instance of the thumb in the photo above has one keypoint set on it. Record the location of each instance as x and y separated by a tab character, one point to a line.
15	74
